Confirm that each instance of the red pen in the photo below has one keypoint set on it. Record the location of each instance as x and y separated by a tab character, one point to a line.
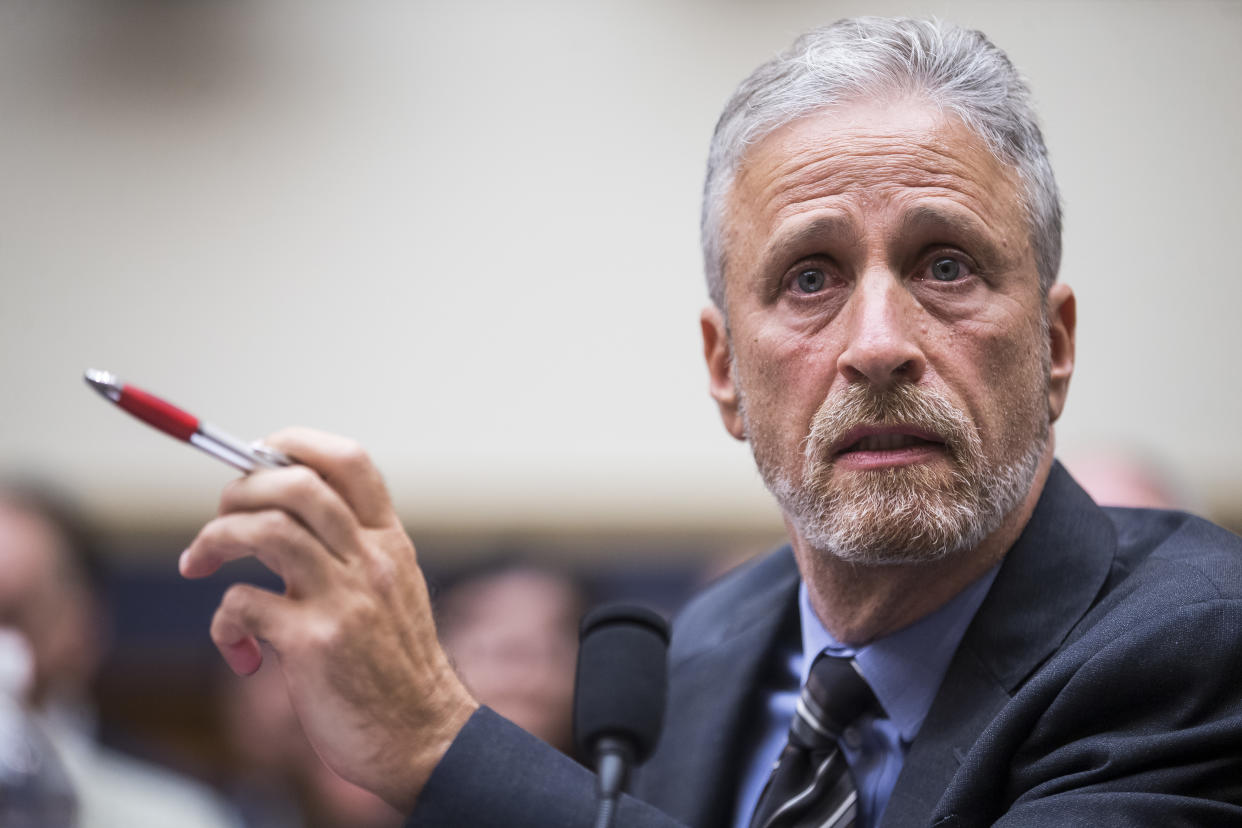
184	426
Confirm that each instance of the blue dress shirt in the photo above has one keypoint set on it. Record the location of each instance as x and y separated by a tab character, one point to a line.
904	670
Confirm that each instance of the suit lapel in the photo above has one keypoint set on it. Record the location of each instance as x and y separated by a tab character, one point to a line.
693	774
1049	579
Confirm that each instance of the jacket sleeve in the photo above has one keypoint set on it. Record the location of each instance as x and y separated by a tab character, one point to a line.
496	775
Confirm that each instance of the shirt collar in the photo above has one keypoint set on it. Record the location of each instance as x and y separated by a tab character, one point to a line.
905	668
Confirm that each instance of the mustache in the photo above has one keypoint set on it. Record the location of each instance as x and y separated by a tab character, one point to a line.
905	405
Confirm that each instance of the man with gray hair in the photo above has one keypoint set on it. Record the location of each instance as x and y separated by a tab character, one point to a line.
956	634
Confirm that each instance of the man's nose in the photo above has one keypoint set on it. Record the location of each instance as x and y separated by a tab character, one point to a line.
883	346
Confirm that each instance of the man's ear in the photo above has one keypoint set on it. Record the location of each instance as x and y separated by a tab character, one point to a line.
1062	320
719	356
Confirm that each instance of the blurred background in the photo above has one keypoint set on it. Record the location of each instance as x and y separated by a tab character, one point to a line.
465	234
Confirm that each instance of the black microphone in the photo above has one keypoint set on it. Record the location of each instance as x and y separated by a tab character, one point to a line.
619	694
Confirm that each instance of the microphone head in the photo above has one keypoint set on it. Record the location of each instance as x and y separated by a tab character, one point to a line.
622	678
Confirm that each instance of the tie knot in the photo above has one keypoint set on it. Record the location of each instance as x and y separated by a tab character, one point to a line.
835	695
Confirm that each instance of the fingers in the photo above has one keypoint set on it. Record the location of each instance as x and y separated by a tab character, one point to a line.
247	613
346	468
353	631
276	539
302	493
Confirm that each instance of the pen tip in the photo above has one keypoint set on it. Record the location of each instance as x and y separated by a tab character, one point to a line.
104	382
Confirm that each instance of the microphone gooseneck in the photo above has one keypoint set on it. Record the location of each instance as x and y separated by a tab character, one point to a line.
619	697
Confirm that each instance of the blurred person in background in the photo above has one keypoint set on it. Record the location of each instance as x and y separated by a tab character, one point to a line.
51	593
264	745
512	635
1122	477
277	779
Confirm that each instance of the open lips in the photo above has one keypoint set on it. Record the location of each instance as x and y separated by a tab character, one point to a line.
870	446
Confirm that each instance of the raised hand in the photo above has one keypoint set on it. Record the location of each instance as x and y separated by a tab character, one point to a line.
353	630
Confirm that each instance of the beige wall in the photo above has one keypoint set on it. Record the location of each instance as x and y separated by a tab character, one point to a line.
465	233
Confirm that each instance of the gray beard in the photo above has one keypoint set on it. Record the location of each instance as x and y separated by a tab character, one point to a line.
904	514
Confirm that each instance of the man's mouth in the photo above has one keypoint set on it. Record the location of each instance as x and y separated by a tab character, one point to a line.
872	446
887	442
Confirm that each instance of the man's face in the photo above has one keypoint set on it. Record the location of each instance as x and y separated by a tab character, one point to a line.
890	352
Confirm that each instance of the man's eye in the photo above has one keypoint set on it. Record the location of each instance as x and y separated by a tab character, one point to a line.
945	269
811	280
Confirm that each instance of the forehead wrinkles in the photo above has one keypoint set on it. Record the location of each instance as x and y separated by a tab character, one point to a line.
805	163
845	167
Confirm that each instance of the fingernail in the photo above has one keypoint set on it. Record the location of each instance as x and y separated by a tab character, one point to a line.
181	561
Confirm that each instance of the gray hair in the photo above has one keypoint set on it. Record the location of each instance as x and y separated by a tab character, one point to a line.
958	70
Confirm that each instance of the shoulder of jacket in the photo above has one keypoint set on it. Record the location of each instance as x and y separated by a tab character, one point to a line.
735	600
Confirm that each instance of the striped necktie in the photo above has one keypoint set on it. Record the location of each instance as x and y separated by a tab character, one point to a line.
811	784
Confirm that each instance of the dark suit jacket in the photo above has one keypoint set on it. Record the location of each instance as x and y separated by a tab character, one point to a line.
1100	683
